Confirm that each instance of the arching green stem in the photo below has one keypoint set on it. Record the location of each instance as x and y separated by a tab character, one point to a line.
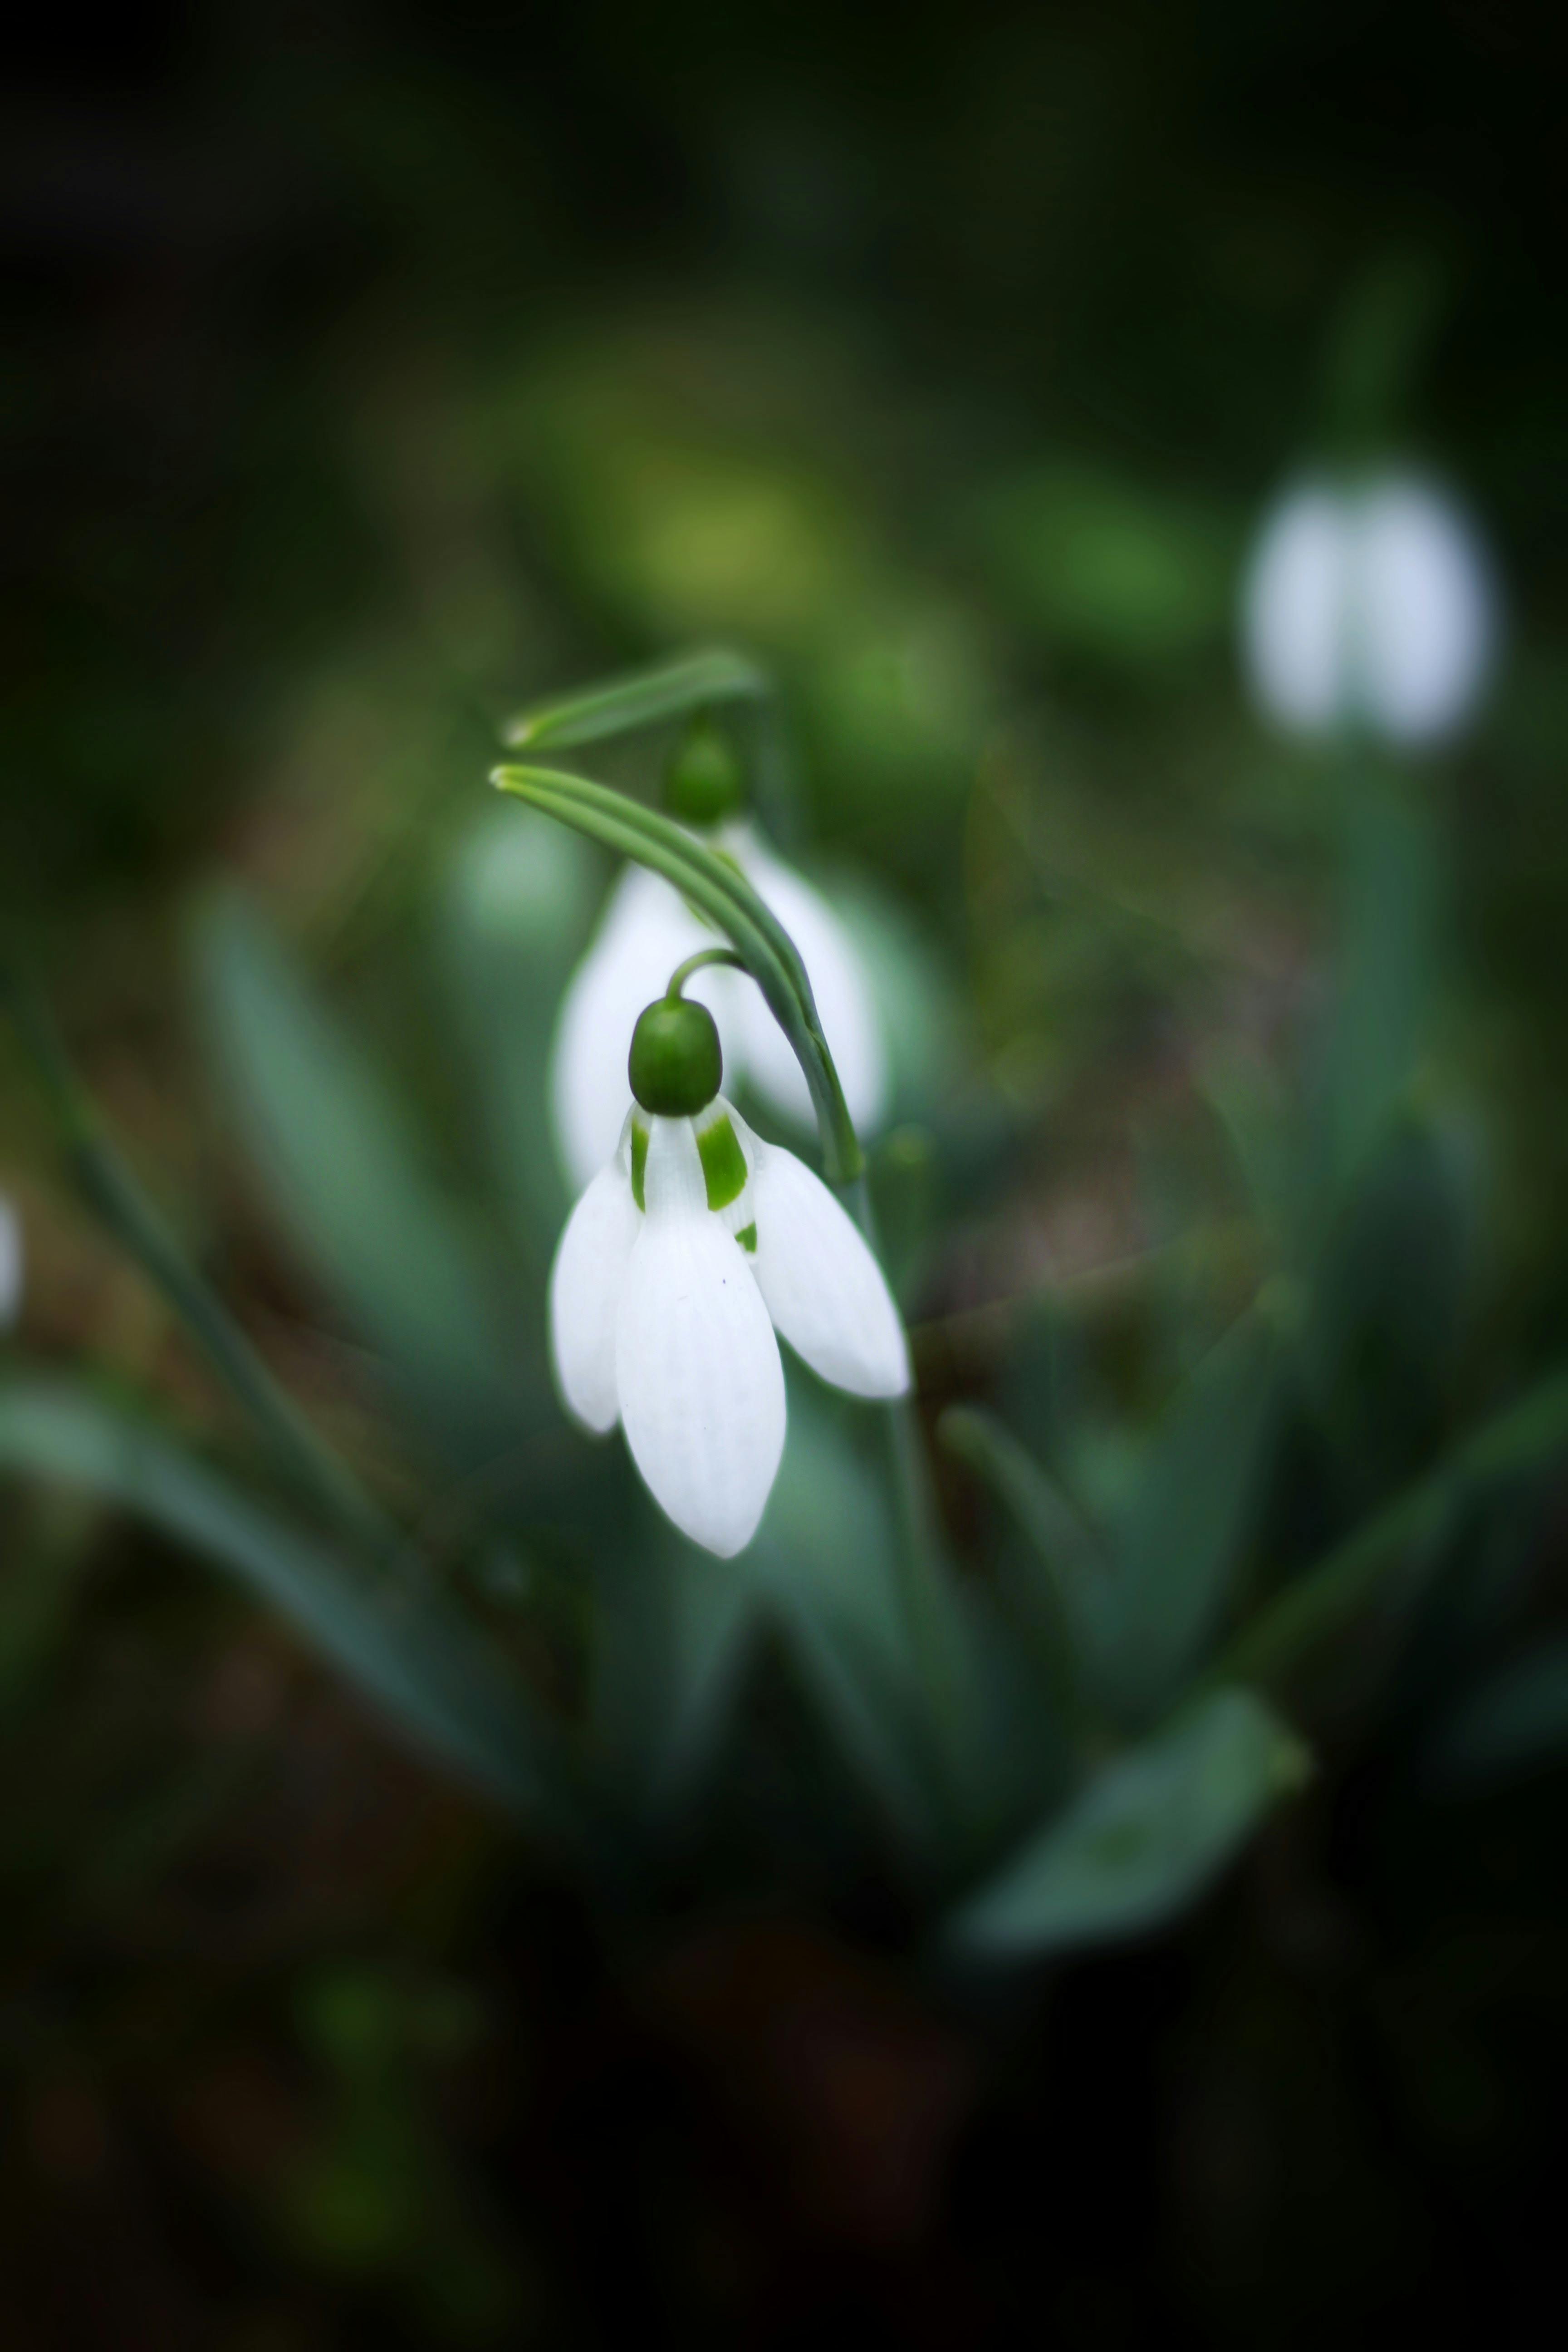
698	963
717	888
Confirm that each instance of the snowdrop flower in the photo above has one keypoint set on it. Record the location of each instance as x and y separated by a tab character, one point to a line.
647	928
1372	605
683	1257
10	1263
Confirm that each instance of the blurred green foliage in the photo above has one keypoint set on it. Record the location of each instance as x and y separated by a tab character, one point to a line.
376	377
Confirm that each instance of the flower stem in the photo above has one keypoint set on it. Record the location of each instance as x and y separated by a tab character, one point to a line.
704	956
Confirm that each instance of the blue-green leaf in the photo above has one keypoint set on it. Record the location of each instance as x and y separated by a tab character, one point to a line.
825	1561
674	1630
344	1169
1186	1536
1374	1560
1144	1840
432	1673
1070	1589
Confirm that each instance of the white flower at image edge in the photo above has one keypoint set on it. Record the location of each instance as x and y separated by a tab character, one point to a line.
1372	603
662	1316
646	930
10	1263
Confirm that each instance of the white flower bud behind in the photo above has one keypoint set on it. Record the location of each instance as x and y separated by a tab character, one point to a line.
1373	606
1430	610
845	1004
1293	609
646	930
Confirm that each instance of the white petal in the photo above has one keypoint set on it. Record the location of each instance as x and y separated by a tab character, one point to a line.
824	1288
1294	609
697	1366
10	1263
585	1285
1426	610
646	930
839	983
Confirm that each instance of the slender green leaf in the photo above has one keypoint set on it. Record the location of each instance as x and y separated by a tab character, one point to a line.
344	1170
1192	1517
110	1186
1320	1604
825	1561
437	1678
673	1632
638	699
717	888
1146	1837
1070	1596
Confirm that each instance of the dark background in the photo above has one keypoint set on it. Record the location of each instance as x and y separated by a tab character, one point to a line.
369	368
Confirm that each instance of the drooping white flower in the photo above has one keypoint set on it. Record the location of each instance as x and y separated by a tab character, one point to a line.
11	1263
684	1256
1371	605
646	929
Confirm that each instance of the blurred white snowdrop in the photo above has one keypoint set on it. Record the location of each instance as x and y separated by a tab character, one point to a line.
1369	604
647	926
11	1263
686	1252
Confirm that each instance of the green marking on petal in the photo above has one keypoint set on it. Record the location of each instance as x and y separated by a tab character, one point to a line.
723	1163
639	1160
747	1237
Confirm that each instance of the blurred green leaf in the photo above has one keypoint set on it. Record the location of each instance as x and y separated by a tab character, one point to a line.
1515	1722
111	1186
1069	1594
1381	1338
673	1633
638	699
437	1679
1320	1604
1108	567
344	1169
515	911
825	1560
1184	1540
1144	1838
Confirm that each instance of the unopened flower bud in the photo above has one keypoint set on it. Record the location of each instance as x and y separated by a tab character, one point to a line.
704	781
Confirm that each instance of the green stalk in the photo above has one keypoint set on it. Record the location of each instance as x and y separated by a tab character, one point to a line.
923	1554
700	961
